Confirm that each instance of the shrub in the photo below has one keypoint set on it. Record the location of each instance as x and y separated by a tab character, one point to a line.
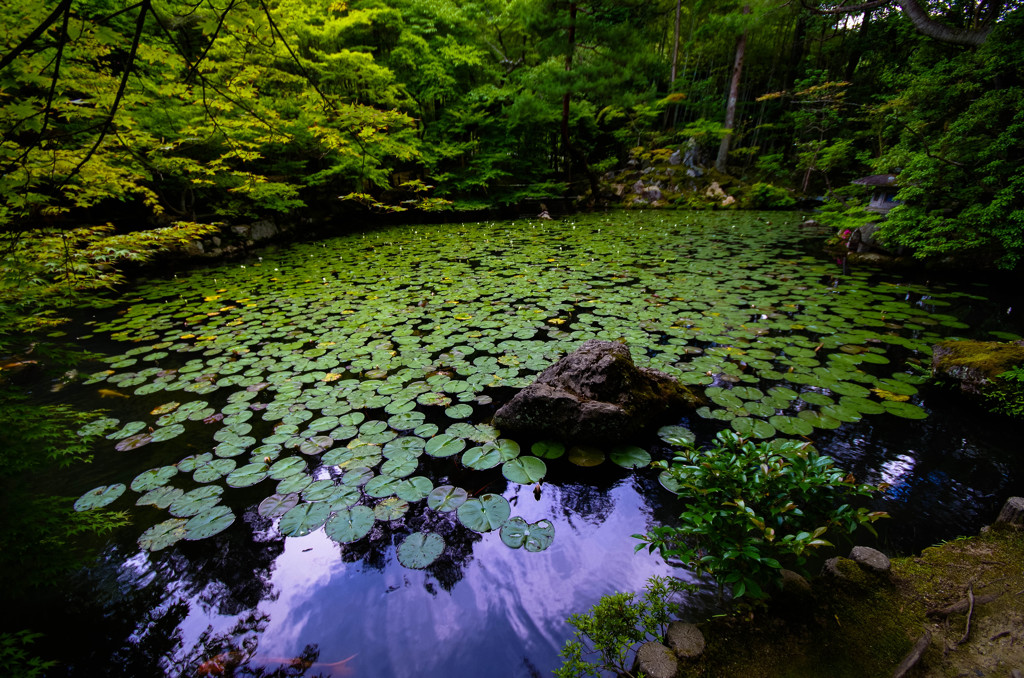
767	197
754	508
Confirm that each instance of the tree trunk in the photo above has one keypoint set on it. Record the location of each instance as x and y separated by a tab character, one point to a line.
734	93
933	29
566	155
675	60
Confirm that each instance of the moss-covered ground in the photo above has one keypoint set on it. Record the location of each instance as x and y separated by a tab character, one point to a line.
865	627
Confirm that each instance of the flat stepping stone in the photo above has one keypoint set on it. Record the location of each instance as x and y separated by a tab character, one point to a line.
685	640
656	661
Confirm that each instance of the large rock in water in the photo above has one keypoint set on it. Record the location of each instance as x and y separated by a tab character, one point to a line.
594	395
976	365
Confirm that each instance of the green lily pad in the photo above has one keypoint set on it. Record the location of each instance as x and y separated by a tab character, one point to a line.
162	535
749	427
414	489
356	477
277	505
129	429
248	475
585	456
304	519
444	445
461	411
154	477
208	523
349	525
534	537
420	549
160	497
630	456
194	461
391	508
446	498
547	449
791	426
167	432
316	445
98	497
297	482
524	470
213	470
288	466
381	486
319	490
133	442
904	409
400	467
481	458
485	514
677	435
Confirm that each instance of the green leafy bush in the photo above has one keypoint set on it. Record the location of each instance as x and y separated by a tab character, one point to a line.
616	625
754	508
767	197
1007	397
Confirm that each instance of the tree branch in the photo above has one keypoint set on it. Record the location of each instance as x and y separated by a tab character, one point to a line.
970	37
63	7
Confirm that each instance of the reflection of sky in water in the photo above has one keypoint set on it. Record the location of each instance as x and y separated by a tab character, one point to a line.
506	615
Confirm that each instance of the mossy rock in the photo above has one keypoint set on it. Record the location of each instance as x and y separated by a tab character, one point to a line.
976	366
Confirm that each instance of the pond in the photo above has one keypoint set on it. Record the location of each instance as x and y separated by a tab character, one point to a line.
303	440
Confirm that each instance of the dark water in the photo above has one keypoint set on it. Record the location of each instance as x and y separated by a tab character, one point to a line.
252	596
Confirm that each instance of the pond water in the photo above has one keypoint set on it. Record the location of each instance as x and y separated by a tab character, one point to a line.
303	440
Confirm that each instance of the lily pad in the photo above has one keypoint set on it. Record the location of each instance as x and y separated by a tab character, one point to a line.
481	458
630	456
390	509
160	497
162	535
296	482
420	550
414	489
517	533
547	449
524	470
444	445
485	514
208	523
277	505
154	477
133	442
213	470
304	519
349	525
446	498
677	435
194	461
248	475
98	497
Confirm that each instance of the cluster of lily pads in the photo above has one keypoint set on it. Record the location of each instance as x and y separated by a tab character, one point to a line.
341	370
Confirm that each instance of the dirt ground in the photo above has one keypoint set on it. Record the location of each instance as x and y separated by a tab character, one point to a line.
865	625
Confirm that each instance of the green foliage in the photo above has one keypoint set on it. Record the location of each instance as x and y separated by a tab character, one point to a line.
754	508
17	660
1007	395
41	536
606	637
768	197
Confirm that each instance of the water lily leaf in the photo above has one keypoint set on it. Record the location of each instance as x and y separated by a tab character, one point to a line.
447	498
208	523
129	429
585	456
862	405
749	427
630	456
98	426
791	426
547	449
248	475
98	497
404	446
320	490
524	470
133	442
160	497
304	519
381	486
461	411
406	421
425	431
288	466
363	456
154	477
349	525
485	514
420	550
677	435
162	535
316	445
357	476
194	461
517	533
400	466
390	509
297	482
904	409
213	470
196	501
167	432
444	445
414	489
481	457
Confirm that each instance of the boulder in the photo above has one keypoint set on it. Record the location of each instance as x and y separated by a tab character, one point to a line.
595	395
1012	513
871	559
685	640
975	365
656	661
